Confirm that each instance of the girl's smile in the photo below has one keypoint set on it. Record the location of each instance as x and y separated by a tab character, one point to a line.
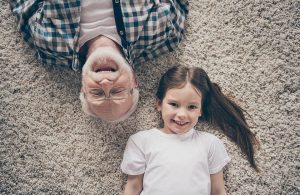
180	123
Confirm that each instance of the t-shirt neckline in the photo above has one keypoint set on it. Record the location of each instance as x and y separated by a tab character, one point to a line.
173	136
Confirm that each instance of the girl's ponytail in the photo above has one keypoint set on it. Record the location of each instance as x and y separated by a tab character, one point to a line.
228	116
216	107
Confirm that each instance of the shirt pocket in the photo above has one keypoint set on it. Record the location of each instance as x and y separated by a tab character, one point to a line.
159	26
158	32
54	33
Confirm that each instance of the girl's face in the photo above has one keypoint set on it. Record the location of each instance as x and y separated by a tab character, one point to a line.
180	109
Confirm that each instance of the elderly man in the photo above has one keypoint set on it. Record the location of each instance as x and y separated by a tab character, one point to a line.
104	38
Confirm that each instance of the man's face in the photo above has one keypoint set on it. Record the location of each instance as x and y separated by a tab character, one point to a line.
107	83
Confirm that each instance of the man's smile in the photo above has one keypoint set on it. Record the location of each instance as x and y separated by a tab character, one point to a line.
105	68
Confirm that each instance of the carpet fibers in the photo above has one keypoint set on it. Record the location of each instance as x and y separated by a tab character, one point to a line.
250	48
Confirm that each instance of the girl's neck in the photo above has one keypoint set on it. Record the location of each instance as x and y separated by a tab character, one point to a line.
165	131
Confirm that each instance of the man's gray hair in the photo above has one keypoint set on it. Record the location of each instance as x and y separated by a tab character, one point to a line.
88	111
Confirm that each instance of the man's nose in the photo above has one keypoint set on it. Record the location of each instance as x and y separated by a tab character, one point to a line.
106	85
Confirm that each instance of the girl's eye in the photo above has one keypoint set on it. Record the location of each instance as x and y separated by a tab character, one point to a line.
173	104
192	107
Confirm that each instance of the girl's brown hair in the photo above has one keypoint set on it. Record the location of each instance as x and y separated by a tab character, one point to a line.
217	109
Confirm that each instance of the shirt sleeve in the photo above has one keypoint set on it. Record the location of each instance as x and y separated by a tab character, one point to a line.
133	162
217	157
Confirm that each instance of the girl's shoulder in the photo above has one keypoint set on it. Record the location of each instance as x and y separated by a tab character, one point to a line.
208	138
205	135
143	138
144	134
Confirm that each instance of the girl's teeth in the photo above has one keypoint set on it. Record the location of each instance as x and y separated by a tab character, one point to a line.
180	123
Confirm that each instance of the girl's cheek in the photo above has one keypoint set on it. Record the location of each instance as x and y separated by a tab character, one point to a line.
172	110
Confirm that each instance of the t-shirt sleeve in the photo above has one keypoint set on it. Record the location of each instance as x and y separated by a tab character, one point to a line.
133	162
217	157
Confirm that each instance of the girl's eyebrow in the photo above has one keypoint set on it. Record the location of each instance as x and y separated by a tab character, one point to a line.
194	103
190	103
172	100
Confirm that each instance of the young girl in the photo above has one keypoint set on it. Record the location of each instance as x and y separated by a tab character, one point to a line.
177	159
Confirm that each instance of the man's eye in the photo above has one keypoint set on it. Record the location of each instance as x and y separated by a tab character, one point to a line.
97	92
117	91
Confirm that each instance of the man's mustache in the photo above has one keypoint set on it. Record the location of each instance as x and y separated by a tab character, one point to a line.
99	76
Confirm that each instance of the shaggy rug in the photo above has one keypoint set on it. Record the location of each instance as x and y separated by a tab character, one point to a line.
251	48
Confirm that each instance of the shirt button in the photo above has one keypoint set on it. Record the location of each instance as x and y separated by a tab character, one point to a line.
117	1
121	32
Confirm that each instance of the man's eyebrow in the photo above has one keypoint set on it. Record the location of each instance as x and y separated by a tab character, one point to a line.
118	87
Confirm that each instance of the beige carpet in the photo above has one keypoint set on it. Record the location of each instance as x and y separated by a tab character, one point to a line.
251	48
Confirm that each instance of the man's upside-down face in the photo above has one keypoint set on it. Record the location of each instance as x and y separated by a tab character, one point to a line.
108	84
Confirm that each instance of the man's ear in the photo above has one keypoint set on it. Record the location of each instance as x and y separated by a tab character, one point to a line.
158	104
135	80
82	91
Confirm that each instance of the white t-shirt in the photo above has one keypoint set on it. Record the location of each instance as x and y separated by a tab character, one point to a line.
97	18
174	164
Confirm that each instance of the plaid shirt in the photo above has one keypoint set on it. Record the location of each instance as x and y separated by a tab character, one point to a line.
147	28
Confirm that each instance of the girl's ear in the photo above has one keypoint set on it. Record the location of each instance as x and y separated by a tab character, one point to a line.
158	104
200	113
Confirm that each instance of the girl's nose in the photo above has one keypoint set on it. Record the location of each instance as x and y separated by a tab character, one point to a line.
181	113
